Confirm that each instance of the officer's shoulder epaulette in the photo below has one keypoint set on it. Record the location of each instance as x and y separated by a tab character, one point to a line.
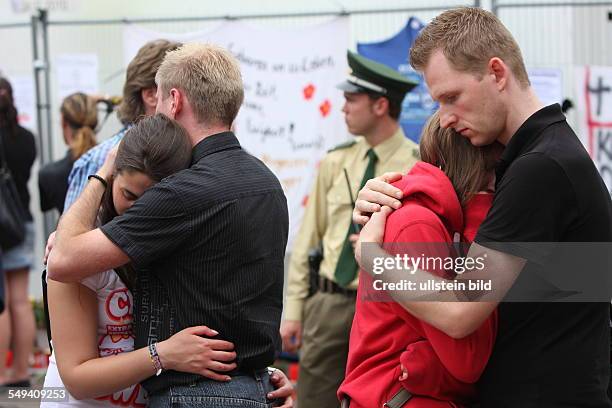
341	146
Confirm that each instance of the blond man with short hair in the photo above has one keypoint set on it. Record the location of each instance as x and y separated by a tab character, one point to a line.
547	191
215	100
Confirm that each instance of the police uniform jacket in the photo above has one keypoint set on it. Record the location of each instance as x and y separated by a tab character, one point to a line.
329	209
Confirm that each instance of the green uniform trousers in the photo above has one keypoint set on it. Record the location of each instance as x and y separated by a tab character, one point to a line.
325	341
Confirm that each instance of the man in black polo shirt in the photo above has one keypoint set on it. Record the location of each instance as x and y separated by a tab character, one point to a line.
547	191
212	237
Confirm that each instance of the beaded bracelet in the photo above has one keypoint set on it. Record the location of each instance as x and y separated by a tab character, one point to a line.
155	358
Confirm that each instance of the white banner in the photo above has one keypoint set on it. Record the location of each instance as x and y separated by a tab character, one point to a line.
76	73
547	84
25	100
292	113
594	93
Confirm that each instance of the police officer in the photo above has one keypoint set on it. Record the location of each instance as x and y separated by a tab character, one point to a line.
318	319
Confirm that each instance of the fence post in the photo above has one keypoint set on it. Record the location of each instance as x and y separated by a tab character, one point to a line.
37	65
39	26
44	20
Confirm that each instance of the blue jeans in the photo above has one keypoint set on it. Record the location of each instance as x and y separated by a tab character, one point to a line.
242	392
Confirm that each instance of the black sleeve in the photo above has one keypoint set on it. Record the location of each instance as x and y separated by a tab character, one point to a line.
532	205
31	148
45	193
155	226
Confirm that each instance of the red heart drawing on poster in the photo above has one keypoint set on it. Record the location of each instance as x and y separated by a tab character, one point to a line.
325	108
309	91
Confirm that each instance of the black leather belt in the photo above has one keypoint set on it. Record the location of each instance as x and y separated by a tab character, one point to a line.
329	286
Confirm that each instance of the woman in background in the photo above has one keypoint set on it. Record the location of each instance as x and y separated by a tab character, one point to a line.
17	322
79	118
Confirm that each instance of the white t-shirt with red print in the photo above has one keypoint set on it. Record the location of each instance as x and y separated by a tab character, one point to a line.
114	336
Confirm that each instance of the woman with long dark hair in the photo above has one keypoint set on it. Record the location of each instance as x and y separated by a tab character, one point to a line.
17	322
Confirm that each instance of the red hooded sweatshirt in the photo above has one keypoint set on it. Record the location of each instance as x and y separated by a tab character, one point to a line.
441	370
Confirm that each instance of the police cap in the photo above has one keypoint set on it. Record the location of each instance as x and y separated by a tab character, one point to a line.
371	77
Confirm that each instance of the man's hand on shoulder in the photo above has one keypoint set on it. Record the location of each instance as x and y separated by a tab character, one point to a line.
376	193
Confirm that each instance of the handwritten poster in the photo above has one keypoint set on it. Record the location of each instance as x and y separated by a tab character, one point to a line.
547	84
594	91
292	112
25	100
76	73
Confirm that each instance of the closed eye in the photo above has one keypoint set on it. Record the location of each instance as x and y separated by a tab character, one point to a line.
129	195
449	98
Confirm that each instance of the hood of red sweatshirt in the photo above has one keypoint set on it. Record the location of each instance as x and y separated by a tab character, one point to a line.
428	186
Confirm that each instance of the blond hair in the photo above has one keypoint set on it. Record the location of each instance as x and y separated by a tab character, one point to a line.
81	114
210	77
141	75
469	37
468	167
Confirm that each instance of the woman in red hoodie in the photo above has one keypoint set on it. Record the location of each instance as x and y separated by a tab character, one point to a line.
446	196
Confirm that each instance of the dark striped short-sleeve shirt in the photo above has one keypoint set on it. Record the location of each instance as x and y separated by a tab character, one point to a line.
210	243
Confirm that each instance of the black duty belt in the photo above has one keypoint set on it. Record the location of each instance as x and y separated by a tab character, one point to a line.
329	286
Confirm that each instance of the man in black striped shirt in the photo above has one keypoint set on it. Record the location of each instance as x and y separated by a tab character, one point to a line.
211	238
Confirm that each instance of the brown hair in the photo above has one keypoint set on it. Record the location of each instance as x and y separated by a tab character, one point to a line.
156	146
395	106
210	77
81	114
469	37
141	75
8	111
468	167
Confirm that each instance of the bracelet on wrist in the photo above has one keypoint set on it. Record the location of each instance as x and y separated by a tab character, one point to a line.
155	358
99	178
